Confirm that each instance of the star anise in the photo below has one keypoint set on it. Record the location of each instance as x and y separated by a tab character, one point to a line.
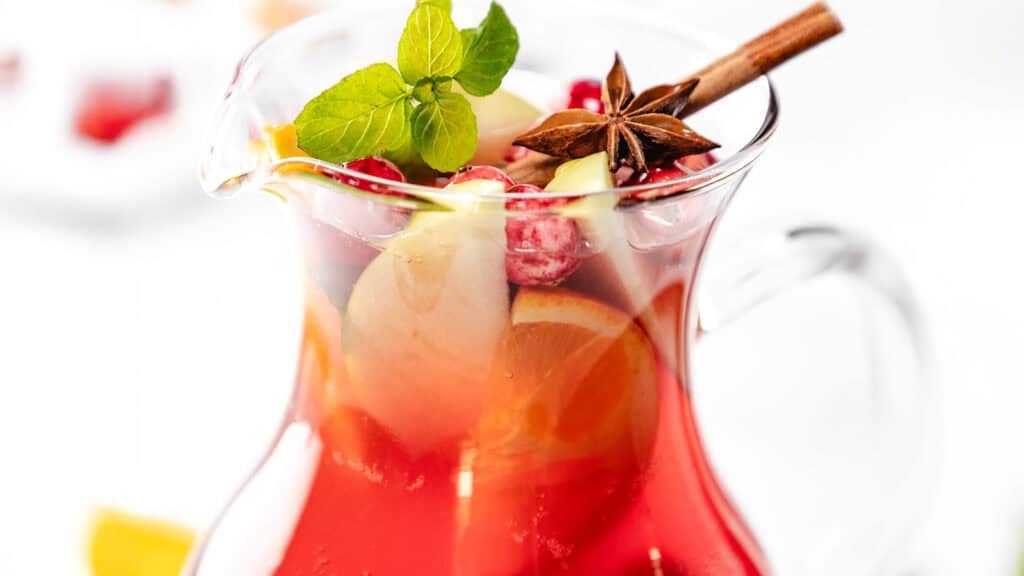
636	131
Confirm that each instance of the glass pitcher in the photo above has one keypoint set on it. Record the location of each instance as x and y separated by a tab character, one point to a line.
446	420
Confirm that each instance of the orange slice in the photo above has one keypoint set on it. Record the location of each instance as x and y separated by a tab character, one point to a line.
125	545
568	426
575	379
282	141
276	141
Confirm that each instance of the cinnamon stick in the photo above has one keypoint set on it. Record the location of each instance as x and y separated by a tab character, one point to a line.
798	34
750	61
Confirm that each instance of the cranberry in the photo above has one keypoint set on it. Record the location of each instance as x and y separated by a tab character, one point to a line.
682	167
516	153
541	248
663	175
586	94
655	175
467	173
380	218
696	162
372	166
109	109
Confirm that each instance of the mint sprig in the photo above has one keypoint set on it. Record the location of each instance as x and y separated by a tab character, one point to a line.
446	131
368	111
414	110
445	5
430	47
491	50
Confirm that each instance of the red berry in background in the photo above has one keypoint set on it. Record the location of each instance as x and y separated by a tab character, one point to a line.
467	173
108	109
586	94
376	167
9	65
541	247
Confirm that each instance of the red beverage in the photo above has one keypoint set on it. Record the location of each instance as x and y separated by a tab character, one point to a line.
583	457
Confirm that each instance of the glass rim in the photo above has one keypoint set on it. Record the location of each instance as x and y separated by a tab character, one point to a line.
710	177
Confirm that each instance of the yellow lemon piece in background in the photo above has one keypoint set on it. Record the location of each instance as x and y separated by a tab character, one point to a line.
124	545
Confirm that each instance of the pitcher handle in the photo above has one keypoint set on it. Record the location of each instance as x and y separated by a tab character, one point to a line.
773	264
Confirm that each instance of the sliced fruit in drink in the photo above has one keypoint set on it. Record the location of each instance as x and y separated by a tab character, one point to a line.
501	117
567	427
613	273
281	142
424	320
322	374
617	273
587	174
575	379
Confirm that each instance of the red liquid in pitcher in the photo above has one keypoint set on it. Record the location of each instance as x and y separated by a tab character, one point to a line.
621	491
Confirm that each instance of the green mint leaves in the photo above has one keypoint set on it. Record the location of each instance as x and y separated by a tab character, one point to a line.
491	50
414	110
368	111
431	46
445	130
445	5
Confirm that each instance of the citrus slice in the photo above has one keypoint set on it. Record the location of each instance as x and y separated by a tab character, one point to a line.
566	430
125	545
576	378
282	141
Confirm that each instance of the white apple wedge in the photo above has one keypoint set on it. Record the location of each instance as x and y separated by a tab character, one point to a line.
424	320
500	118
616	273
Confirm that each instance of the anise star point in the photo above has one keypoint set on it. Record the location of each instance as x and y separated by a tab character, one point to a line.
635	130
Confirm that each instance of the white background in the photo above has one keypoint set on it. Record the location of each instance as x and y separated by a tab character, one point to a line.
144	362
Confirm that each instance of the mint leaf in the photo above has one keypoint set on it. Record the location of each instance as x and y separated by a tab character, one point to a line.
403	153
491	50
431	46
445	5
363	114
444	131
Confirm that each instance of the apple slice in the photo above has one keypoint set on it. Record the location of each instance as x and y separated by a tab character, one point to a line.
616	273
424	320
500	118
